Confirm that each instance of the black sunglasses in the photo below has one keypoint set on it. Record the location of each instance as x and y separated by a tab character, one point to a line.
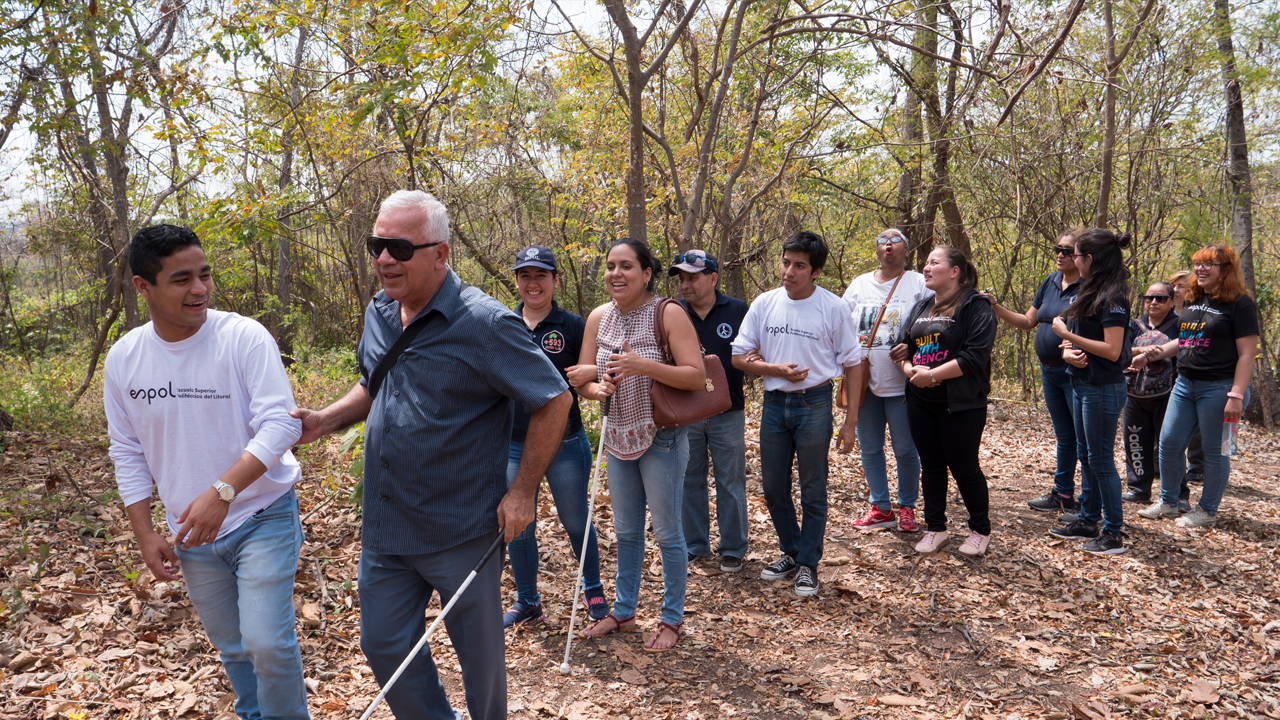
399	248
693	260
1060	250
1155	298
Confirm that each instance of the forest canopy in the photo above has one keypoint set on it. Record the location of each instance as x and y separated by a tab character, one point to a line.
274	130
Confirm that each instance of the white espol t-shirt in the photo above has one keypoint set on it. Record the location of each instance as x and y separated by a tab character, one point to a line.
865	296
817	333
184	412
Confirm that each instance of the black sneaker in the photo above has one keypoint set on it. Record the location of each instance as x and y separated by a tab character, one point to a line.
1068	518
779	569
806	581
1134	496
1107	543
729	563
1076	531
521	614
1184	506
597	605
1053	502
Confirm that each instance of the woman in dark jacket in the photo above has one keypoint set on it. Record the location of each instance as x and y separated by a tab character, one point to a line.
949	337
1149	388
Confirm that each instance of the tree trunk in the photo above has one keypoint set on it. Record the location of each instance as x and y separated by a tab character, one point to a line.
281	326
1264	381
1101	214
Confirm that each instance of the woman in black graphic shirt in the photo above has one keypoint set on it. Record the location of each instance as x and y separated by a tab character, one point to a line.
948	337
1217	339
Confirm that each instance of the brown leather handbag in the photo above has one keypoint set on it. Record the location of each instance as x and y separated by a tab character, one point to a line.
675	408
842	401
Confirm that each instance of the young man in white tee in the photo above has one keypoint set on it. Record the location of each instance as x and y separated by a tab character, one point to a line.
896	290
799	337
199	400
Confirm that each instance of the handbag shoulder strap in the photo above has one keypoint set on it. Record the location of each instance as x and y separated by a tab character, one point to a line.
660	328
397	349
880	316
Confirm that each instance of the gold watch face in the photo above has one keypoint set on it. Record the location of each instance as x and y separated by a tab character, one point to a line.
226	492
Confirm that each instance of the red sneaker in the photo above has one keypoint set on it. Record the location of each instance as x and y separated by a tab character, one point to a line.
907	520
875	519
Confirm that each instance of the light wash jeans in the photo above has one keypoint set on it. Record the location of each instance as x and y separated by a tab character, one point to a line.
797	426
724	435
242	587
1097	414
569	479
874	416
1193	401
655	480
1055	383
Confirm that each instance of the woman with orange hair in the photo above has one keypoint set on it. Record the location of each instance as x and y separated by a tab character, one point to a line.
1217	339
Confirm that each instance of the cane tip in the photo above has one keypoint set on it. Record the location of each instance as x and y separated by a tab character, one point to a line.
565	669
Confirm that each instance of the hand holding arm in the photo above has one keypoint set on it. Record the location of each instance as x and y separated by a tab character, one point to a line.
347	410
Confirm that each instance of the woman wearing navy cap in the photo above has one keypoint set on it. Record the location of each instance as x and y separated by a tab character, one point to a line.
559	333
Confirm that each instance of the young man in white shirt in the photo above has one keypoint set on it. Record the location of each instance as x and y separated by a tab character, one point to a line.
896	290
199	400
799	337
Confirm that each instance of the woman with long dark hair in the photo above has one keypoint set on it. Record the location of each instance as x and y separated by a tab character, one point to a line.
1093	333
949	337
1056	292
1217	340
622	359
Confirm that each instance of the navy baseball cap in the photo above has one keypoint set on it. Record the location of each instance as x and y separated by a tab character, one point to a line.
536	256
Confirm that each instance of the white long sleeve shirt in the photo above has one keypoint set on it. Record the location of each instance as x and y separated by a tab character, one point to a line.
816	332
183	413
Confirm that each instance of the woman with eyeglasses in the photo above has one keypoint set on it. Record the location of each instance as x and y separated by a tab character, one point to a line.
1093	333
1150	383
884	296
621	358
1056	293
1217	339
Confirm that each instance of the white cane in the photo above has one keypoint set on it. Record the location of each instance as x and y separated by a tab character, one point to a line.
565	668
439	619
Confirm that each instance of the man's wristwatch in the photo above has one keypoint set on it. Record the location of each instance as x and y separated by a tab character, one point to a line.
225	491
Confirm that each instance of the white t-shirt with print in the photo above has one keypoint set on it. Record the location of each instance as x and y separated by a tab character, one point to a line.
865	296
816	332
183	413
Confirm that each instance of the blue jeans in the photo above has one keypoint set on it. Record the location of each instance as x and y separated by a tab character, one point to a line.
242	587
1097	414
1055	383
724	435
1193	401
655	480
394	593
876	414
797	425
569	478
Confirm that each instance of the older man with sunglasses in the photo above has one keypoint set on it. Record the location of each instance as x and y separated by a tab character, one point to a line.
436	439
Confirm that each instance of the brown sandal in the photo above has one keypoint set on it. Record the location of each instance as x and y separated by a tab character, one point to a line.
618	626
677	629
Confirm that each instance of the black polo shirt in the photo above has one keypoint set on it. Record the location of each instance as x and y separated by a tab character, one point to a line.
716	333
559	336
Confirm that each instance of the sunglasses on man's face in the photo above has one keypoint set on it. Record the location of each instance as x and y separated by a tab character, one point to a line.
1062	250
399	248
886	239
1155	298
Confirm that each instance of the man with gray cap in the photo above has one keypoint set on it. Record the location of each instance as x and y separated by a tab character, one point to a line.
716	318
435	473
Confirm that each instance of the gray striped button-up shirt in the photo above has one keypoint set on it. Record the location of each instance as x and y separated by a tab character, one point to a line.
438	434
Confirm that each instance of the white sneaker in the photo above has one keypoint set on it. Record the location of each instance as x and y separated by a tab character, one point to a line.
1158	510
975	544
932	542
1197	518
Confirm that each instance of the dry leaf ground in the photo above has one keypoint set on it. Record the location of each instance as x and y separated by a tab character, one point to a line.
1184	625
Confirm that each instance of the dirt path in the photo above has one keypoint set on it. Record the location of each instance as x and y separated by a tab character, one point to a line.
1183	623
